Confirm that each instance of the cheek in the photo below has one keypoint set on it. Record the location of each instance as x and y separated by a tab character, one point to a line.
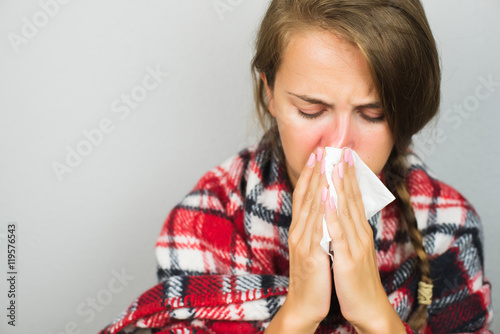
299	139
374	149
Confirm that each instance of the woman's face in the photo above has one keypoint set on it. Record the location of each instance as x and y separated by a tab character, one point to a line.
329	81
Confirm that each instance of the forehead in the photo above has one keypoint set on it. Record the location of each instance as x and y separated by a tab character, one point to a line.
322	58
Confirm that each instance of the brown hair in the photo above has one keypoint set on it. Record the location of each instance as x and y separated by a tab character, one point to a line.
395	37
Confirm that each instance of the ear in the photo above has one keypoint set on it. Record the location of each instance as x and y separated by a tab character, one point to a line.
270	97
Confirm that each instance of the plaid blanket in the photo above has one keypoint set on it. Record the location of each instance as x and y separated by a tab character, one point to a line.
222	255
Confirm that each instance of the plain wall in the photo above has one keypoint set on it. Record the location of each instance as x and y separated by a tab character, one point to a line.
75	234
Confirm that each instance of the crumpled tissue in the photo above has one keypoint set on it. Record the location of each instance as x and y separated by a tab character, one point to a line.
375	194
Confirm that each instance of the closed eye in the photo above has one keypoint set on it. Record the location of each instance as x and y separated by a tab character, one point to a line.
310	116
373	119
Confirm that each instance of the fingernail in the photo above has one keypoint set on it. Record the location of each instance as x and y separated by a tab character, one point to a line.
351	160
323	195
310	163
323	166
341	170
332	203
347	153
319	154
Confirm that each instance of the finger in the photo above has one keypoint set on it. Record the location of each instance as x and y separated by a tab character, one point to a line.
311	205
299	193
352	196
358	197
317	221
343	211
339	243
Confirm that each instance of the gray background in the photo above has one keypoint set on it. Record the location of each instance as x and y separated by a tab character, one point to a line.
104	217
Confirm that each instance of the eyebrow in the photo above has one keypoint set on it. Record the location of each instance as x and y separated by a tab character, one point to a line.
371	105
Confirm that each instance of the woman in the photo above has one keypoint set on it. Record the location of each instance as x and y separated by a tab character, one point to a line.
241	254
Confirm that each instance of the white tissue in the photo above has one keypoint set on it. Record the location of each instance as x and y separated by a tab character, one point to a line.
375	194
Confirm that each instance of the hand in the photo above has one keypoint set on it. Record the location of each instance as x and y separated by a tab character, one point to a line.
308	299
362	298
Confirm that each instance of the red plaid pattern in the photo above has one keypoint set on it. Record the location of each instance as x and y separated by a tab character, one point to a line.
222	255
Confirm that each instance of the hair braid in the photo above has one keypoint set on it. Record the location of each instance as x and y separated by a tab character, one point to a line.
395	178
